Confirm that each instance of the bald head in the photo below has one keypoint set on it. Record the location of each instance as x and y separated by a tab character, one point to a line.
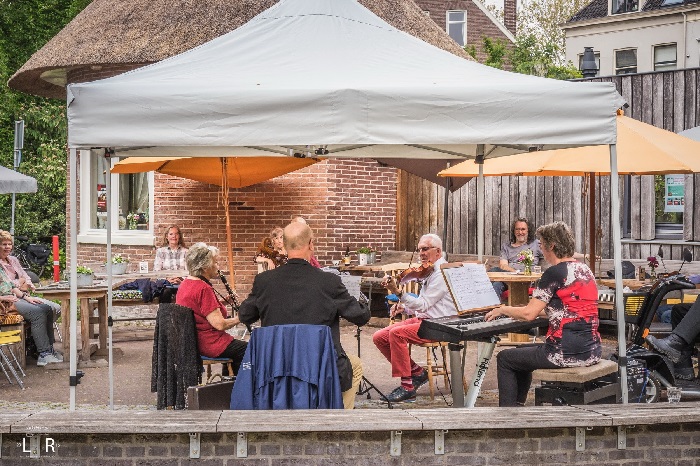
298	219
297	241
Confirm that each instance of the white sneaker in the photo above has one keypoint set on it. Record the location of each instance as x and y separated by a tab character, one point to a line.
48	359
58	356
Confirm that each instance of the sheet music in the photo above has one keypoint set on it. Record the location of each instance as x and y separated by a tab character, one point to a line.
352	283
470	287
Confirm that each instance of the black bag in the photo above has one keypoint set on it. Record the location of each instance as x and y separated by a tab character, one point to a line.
627	270
212	396
38	254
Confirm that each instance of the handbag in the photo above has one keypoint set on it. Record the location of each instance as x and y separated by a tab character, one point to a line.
9	314
212	395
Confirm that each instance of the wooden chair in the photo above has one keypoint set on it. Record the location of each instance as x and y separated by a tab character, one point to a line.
208	362
433	367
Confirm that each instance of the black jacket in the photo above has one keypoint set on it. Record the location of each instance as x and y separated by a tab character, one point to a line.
299	293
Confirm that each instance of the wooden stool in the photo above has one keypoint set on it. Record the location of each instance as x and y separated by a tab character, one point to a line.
434	370
207	363
577	385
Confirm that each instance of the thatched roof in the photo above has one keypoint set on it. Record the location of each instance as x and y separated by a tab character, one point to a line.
112	36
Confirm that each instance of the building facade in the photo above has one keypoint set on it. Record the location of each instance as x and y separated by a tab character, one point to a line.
636	36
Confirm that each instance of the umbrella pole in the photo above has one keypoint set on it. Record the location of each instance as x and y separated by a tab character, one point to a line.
446	213
591	222
224	197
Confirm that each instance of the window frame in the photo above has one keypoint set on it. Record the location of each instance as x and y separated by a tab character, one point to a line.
653	56
636	61
448	22
88	234
630	6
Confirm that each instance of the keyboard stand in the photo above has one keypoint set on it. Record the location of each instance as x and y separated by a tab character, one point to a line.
482	366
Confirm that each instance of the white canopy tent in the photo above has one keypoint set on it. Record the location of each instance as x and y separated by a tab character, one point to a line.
309	76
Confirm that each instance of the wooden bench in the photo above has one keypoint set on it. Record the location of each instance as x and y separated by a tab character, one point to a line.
578	385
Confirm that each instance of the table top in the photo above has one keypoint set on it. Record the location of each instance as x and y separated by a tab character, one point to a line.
512	277
631	283
378	267
62	288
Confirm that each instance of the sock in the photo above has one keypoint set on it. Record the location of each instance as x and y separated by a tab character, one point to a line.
407	383
416	369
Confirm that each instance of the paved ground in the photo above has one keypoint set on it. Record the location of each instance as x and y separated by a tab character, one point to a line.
48	388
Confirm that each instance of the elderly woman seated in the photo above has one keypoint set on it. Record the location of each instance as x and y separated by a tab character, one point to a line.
568	296
210	315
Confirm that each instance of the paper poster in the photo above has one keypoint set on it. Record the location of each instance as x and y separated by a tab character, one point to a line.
674	193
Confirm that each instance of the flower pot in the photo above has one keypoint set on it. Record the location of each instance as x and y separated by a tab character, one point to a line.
527	270
120	268
372	258
84	279
362	258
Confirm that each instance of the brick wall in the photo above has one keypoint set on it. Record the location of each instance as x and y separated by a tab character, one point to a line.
478	24
673	444
346	203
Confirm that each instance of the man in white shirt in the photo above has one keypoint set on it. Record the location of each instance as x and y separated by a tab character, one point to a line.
434	301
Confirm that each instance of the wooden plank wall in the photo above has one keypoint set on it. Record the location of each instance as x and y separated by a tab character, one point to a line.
667	100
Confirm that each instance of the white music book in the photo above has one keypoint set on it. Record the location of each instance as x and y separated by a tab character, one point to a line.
470	287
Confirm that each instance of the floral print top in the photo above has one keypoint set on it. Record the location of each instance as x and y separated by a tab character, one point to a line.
571	294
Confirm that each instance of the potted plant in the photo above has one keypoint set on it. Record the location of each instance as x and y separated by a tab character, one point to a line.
363	254
85	275
119	264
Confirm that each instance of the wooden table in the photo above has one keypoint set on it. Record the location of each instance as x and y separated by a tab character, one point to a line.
518	284
631	283
375	268
62	294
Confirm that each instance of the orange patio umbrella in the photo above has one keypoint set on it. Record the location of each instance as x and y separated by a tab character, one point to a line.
642	149
227	172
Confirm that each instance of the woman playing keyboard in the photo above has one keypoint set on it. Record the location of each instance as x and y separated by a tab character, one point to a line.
567	295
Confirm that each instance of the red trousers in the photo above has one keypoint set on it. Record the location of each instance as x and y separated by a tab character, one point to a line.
393	343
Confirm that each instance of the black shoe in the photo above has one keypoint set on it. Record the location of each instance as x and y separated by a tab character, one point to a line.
401	394
671	346
419	380
683	369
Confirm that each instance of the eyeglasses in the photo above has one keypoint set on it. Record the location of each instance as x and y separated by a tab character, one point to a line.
425	248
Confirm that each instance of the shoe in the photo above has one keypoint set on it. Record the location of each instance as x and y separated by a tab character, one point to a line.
419	380
671	346
683	369
47	359
58	356
401	394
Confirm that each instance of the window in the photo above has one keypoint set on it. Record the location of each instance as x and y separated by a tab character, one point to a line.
671	2
624	6
665	57
130	204
669	194
597	62
457	26
626	61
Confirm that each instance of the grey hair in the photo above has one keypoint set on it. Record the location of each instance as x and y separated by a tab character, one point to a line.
200	257
435	240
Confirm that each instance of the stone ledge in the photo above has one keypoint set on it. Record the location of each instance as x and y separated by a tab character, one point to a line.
365	420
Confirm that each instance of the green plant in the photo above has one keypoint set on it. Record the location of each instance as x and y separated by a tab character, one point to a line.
84	270
119	259
364	250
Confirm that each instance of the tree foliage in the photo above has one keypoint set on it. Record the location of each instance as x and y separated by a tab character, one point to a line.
25	26
539	45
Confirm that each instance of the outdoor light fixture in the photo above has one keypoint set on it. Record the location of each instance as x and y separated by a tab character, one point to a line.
588	65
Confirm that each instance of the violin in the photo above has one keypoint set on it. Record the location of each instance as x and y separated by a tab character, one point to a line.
420	272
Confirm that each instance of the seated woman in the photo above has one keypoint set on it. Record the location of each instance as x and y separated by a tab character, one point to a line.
14	271
171	256
211	318
271	253
568	296
38	314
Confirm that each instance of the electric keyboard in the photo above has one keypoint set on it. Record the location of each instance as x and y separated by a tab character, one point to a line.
456	329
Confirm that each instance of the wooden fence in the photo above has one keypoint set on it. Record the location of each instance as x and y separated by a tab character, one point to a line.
668	100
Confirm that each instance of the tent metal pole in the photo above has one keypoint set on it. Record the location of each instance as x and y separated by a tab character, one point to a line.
480	202
108	185
617	256
73	261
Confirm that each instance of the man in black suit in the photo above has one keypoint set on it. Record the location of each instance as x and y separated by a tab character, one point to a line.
298	293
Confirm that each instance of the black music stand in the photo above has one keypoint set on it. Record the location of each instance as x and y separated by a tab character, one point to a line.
365	384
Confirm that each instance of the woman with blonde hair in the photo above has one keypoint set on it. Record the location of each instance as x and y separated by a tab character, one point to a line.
16	287
271	252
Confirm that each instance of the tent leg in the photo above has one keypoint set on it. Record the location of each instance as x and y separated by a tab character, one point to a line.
480	202
617	256
591	223
73	261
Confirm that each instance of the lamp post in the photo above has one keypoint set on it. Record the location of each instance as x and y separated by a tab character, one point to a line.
19	145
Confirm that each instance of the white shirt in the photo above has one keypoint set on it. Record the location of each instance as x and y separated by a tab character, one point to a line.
434	300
